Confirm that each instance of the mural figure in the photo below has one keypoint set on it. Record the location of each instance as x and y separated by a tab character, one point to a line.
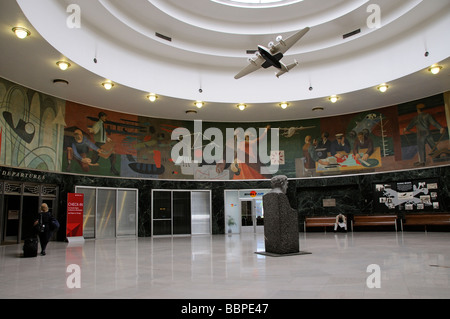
102	141
363	142
422	122
310	154
340	146
324	145
79	151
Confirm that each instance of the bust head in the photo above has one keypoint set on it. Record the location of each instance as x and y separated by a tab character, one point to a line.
279	184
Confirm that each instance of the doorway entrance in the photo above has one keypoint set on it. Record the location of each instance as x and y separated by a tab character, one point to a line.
181	212
244	210
109	212
20	203
252	215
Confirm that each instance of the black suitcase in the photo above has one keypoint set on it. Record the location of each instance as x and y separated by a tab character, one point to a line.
30	247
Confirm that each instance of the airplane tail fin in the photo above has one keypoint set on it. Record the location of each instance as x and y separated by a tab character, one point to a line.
287	68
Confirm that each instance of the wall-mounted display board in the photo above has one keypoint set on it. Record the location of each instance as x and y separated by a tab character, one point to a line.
407	196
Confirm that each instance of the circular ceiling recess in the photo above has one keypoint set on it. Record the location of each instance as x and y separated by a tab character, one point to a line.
257	3
192	49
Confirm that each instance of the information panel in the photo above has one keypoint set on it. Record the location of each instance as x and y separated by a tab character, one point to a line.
408	196
75	204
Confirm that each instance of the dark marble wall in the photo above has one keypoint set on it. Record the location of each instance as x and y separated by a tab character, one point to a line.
353	194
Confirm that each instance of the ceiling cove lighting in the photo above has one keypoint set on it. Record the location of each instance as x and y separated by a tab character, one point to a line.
21	32
63	65
435	69
257	3
199	104
333	98
108	85
152	97
382	87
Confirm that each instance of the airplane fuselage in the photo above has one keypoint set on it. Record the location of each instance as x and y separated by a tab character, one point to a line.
271	60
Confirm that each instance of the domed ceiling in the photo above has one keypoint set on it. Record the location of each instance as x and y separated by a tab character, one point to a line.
190	50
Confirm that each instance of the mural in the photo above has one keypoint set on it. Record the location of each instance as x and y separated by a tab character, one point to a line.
31	128
45	133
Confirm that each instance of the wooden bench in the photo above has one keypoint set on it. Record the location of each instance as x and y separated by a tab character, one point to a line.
376	220
319	222
427	219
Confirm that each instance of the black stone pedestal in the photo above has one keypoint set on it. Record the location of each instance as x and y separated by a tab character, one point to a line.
280	226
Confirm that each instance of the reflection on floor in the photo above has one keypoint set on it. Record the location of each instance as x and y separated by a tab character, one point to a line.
411	265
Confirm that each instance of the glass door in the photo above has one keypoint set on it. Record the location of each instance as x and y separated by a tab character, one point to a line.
127	202
106	213
200	212
181	212
252	215
162	213
247	216
109	212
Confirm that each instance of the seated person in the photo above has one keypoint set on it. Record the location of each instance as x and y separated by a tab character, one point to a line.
340	146
341	223
363	142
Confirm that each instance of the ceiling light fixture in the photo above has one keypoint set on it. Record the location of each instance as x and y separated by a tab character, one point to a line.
333	98
284	105
63	65
241	106
21	32
152	97
199	104
382	87
317	108
435	69
108	85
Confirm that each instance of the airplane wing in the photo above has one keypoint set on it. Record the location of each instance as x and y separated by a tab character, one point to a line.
285	44
254	64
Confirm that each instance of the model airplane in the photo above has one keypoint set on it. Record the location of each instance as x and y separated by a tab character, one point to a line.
267	57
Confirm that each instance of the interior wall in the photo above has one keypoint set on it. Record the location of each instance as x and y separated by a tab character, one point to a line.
354	193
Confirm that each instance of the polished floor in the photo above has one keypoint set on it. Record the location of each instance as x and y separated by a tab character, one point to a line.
410	265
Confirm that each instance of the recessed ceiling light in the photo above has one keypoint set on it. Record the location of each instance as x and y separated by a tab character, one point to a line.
241	106
108	85
333	98
21	32
152	97
63	65
382	87
435	69
284	105
199	104
317	108
191	112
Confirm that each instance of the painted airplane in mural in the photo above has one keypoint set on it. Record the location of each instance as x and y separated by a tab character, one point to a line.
290	131
267	57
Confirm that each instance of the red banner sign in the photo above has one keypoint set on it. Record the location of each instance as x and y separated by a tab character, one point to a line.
75	203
